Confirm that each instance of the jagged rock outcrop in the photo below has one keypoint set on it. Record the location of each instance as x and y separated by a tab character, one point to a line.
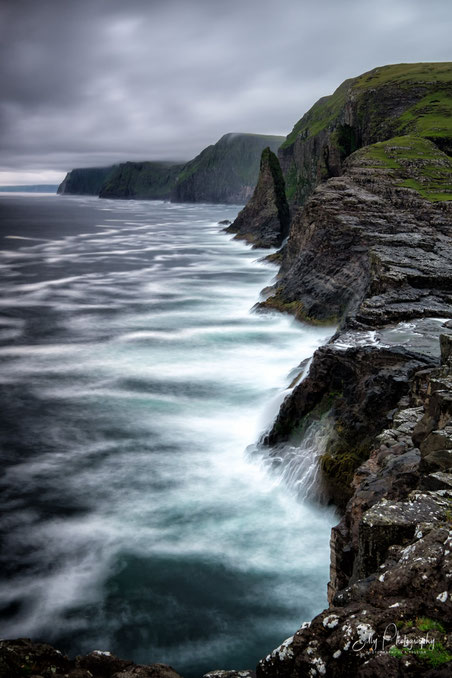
367	246
141	180
264	221
85	180
22	657
391	554
225	172
354	388
369	176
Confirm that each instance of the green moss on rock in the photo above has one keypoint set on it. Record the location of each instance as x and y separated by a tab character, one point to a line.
417	163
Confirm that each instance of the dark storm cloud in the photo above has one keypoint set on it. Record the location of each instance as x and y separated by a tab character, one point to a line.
88	82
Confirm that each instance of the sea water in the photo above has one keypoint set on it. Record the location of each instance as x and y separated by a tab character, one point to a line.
134	375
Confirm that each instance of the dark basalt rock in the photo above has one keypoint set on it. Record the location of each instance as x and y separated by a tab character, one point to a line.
264	221
23	657
366	251
355	388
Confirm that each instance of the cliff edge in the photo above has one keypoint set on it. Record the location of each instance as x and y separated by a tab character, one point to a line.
225	172
85	180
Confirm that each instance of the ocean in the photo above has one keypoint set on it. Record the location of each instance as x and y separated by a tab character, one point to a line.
135	379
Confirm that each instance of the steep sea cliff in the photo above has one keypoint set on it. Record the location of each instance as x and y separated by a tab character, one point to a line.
369	183
225	172
369	180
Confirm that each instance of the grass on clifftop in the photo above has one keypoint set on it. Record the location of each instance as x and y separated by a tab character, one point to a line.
402	74
417	163
321	115
432	115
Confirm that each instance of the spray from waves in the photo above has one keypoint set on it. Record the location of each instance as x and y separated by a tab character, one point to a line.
133	378
296	465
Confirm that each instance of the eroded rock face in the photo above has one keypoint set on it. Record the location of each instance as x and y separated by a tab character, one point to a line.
355	387
367	251
391	567
264	221
22	657
355	635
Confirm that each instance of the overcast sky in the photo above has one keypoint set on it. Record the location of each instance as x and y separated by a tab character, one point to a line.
94	82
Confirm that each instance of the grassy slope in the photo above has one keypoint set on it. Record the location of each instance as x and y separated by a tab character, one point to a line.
417	163
236	155
430	117
148	180
325	112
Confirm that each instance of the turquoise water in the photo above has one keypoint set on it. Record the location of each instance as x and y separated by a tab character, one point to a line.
134	374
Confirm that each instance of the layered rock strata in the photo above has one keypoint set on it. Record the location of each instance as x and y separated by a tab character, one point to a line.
390	607
368	249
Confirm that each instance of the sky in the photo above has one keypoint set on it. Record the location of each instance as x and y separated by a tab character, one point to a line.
87	83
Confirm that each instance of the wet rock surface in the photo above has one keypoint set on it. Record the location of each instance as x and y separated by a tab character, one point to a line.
22	657
390	607
355	388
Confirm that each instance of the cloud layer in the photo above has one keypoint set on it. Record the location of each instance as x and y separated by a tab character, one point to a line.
94	82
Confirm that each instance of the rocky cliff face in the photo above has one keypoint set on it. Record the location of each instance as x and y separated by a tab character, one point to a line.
264	221
390	609
385	102
370	181
372	246
141	180
226	172
85	181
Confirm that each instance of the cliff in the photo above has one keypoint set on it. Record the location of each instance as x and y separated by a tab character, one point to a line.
141	180
382	103
84	181
390	609
369	176
265	219
225	172
372	246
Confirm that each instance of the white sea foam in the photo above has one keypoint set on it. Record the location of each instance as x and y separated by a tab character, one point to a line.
139	383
